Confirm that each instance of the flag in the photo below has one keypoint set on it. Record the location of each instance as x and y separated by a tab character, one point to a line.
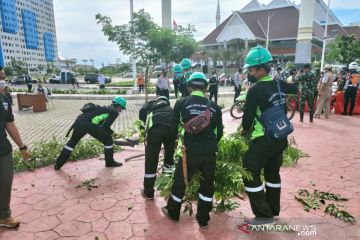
174	25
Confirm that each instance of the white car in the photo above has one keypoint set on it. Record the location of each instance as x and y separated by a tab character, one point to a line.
54	79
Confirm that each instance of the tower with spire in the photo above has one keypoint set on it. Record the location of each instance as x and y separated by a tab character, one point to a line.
218	17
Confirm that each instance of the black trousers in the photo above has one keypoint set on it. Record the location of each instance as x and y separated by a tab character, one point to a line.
215	95
81	128
156	136
237	92
163	92
176	90
6	180
350	96
29	86
206	164
267	155
141	88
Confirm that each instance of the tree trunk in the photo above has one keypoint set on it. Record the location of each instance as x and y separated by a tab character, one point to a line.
146	83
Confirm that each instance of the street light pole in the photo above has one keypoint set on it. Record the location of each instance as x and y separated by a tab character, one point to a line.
131	58
325	36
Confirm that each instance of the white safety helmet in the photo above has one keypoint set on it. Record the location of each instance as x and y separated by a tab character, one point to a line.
353	66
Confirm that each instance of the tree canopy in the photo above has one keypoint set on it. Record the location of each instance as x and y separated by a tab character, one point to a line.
148	43
344	49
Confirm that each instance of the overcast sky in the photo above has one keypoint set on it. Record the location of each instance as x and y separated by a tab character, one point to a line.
78	35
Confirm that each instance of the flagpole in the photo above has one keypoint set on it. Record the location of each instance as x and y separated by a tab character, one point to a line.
132	60
325	36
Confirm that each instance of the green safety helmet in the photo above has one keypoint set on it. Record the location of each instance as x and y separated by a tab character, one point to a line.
197	78
185	63
257	56
177	68
119	101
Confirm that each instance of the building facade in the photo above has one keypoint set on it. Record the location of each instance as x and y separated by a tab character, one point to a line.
27	29
278	24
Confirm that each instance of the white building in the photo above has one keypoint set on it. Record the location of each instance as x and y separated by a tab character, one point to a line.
27	29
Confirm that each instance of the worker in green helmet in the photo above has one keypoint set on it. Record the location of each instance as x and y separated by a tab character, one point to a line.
178	75
186	68
198	123
263	154
96	121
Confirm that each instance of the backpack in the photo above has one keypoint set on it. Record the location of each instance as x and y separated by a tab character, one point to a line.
197	124
275	122
89	107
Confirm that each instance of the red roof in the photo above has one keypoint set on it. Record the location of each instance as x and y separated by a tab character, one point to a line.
283	24
353	30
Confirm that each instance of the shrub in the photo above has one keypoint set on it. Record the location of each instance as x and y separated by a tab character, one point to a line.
45	153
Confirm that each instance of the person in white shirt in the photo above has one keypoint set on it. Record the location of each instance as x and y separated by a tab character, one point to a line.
162	86
101	80
239	77
42	90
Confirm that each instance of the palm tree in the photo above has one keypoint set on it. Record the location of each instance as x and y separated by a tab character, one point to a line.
85	61
92	62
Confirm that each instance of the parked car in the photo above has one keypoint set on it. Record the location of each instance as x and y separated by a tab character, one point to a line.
65	77
20	80
92	78
54	79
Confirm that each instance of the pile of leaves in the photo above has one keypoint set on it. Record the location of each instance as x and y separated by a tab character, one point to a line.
137	127
229	174
88	184
44	153
313	201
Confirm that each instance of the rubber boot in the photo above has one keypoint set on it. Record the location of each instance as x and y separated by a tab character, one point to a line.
109	158
311	117
61	160
301	116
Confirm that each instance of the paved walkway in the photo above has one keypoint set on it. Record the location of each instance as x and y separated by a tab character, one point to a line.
51	207
61	113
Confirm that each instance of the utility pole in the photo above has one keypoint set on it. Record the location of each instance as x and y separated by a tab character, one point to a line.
325	36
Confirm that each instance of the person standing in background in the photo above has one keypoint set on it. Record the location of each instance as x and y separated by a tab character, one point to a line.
238	80
28	82
213	87
101	80
141	82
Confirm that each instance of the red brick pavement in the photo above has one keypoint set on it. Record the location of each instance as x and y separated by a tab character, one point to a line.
49	205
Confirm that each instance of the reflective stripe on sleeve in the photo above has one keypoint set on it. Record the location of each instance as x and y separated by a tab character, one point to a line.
108	147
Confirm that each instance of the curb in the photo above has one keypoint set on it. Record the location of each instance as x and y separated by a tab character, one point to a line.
110	97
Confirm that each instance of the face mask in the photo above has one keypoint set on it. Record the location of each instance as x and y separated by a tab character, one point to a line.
251	78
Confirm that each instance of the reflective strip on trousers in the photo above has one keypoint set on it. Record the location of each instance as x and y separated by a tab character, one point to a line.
108	147
273	185
255	189
176	199
206	199
68	148
149	175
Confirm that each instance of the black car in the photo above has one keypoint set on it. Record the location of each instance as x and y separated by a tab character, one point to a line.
92	78
20	80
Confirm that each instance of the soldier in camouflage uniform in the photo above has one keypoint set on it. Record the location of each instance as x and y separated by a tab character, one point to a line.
307	85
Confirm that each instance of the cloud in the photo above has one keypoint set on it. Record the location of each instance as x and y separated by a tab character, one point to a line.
80	37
